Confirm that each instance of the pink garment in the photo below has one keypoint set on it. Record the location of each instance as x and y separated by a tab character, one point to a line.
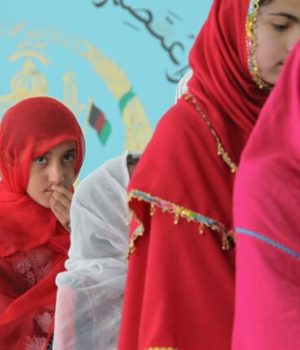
266	214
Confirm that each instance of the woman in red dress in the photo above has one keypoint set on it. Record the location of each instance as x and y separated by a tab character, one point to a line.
180	287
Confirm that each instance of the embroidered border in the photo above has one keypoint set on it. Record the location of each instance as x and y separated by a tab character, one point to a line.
138	232
221	152
160	348
251	44
268	241
179	213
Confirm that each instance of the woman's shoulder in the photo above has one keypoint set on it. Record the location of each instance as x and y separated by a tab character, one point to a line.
181	113
180	122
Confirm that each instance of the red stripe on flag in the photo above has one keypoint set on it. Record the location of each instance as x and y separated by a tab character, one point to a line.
99	122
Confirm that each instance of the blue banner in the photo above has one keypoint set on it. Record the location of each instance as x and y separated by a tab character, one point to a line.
114	63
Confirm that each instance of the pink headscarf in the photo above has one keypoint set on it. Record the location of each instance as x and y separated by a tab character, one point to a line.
266	213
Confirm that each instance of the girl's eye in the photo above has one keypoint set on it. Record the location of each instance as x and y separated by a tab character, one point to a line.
280	27
69	157
41	160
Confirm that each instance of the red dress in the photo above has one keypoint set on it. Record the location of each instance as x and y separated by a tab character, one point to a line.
33	244
180	286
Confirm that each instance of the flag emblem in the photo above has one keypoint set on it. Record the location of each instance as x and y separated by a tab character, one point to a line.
98	121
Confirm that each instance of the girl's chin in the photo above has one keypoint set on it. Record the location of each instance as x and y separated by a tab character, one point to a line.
44	202
271	80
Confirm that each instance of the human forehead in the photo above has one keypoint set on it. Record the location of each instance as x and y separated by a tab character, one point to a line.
291	7
62	147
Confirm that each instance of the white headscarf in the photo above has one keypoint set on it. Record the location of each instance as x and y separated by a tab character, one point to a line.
182	85
90	291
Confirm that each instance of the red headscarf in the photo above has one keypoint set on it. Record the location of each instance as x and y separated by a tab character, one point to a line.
266	213
180	286
33	245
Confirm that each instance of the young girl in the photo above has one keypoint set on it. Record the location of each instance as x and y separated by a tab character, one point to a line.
180	287
41	152
90	291
266	212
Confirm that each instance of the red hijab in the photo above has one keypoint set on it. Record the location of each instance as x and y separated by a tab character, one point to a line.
266	213
33	244
180	285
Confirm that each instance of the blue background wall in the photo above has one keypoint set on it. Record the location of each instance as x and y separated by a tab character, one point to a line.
87	52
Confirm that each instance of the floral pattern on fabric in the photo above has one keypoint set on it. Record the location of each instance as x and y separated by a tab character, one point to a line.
35	343
44	320
33	266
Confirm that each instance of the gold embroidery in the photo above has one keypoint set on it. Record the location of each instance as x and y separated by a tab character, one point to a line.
139	231
251	43
180	213
160	348
152	209
220	148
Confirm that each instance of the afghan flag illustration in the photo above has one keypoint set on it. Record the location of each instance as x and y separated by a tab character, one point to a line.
98	121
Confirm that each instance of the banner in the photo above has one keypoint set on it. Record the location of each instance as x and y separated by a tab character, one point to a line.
114	63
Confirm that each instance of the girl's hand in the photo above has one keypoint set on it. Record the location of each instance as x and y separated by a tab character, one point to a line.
60	204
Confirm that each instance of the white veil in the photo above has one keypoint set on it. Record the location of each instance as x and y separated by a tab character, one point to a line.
90	291
182	85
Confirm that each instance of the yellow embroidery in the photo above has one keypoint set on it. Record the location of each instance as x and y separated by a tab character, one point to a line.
180	213
220	148
139	231
160	348
251	42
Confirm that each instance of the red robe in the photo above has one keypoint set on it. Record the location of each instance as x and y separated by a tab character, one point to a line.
180	286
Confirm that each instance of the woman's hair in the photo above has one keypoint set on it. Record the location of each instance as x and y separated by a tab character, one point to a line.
264	2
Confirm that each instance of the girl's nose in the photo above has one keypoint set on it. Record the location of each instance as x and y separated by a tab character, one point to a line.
56	174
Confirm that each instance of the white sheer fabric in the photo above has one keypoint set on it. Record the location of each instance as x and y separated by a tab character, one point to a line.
182	85
90	291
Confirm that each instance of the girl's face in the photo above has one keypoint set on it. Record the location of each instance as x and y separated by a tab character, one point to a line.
278	29
56	167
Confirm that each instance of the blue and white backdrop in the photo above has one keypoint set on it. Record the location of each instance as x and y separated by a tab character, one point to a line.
115	63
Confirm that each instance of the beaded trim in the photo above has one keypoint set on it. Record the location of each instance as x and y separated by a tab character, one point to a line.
180	213
138	232
159	348
220	148
251	44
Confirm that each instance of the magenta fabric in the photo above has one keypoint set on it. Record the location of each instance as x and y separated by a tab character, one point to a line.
266	214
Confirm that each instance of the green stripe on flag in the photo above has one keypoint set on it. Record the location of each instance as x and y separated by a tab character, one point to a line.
125	99
103	135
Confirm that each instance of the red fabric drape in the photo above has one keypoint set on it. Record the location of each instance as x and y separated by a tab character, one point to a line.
180	286
33	245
